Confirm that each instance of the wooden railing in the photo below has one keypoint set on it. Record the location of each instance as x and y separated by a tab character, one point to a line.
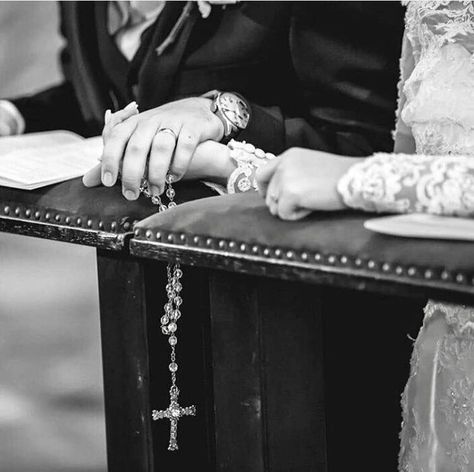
293	335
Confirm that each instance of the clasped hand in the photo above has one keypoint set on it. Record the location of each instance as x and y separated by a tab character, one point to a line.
178	138
300	181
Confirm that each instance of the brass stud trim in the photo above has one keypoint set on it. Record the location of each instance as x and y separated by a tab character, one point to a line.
411	271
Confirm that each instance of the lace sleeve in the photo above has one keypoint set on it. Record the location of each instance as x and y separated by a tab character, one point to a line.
407	183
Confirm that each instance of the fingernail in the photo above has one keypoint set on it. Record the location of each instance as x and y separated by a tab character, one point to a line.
131	105
130	195
107	115
107	179
155	191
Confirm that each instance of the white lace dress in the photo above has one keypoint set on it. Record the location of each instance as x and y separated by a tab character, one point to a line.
435	118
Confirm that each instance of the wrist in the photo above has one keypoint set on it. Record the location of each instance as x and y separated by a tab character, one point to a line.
346	167
222	167
217	123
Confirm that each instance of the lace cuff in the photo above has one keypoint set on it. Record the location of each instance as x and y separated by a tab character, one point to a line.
404	183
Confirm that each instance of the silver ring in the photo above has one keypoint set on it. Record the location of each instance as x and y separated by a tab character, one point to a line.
169	131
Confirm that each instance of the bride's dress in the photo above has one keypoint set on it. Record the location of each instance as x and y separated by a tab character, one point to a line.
435	118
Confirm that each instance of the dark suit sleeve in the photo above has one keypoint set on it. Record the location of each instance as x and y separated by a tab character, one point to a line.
54	108
271	129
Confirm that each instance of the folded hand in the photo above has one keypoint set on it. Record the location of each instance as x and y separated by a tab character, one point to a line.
158	142
300	181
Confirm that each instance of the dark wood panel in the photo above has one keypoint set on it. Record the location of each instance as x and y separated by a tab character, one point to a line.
125	363
268	375
237	366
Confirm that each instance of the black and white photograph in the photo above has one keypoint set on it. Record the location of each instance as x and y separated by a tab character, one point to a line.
237	236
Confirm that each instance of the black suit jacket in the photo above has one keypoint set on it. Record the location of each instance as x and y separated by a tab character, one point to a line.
317	74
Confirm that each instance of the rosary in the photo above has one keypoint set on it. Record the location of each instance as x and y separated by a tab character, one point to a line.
247	159
169	326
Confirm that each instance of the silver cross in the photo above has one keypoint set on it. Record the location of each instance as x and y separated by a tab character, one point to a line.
174	412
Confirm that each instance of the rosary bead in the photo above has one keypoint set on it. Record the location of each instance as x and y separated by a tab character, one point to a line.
172	327
179	273
259	153
173	340
170	193
249	148
173	367
178	301
164	320
164	330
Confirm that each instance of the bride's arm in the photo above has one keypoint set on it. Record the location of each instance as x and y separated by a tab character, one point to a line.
301	181
403	183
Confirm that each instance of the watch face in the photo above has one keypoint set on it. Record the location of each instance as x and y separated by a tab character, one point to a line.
234	109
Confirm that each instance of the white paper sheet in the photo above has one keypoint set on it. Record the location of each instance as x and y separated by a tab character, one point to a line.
40	159
424	226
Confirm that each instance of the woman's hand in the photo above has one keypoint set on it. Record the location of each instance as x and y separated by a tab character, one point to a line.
300	181
133	145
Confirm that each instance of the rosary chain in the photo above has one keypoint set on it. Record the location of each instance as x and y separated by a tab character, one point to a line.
172	311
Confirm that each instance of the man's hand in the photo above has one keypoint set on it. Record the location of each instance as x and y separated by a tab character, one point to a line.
300	181
211	161
156	142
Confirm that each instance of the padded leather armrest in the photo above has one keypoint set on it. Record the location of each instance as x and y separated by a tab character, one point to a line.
237	232
70	212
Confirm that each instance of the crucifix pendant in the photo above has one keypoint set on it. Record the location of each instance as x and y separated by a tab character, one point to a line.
174	412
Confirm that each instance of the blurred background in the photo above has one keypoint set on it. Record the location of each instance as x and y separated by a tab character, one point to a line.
51	405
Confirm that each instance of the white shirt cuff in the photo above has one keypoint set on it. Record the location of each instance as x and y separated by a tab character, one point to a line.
17	121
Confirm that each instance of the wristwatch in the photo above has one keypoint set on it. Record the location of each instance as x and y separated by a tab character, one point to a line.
232	110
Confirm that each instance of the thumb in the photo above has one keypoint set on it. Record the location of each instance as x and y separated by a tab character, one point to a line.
265	173
92	178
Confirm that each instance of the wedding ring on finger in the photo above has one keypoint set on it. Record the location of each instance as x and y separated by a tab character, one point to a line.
169	131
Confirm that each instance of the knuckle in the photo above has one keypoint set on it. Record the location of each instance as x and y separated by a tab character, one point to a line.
130	180
135	147
108	160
